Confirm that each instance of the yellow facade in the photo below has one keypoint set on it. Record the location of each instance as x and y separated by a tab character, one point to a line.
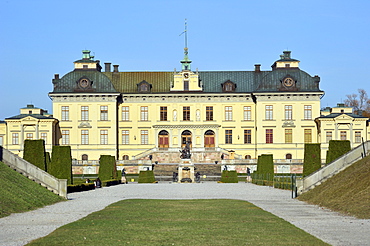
234	114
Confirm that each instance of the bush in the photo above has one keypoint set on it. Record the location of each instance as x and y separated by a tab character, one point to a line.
265	164
61	163
34	153
337	148
107	169
146	177
312	158
111	182
229	177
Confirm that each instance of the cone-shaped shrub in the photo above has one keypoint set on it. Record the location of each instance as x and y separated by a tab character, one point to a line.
61	163
265	164
34	153
312	158
107	168
337	148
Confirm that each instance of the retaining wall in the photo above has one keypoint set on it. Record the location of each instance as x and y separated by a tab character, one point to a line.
58	186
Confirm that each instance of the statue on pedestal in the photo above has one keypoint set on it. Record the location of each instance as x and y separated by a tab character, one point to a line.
185	152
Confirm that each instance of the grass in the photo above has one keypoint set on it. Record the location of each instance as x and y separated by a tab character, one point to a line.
20	194
347	192
180	222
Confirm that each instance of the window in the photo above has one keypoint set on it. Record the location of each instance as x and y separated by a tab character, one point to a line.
125	113
288	136
228	136
1	140
15	138
248	157
84	157
343	135
163	113
186	113
209	113
65	113
269	136
85	137
144	137
84	113
269	115
144	86
103	136
307	112
357	137
247	113
104	113
307	136
288	112
247	136
125	137
65	137
228	86
44	136
186	85
29	136
329	136
144	113
288	156
228	113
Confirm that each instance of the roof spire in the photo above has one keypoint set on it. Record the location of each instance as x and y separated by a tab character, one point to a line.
186	62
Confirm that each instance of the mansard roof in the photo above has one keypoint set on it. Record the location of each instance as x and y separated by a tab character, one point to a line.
211	81
335	115
69	82
36	116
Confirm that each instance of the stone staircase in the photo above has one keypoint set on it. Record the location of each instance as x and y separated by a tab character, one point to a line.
164	172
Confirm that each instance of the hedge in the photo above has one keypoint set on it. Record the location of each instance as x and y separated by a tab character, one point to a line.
34	153
265	164
146	177
80	187
107	169
337	148
229	177
61	163
312	158
47	160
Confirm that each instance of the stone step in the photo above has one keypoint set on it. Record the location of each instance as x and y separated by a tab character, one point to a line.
203	169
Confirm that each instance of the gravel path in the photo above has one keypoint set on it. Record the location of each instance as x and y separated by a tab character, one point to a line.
335	229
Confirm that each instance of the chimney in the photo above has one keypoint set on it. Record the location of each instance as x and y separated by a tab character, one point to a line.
115	68
56	76
257	68
107	66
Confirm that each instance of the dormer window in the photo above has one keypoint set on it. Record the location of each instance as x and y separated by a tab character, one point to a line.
228	86
144	86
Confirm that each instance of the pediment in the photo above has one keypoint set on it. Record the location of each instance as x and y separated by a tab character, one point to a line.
343	117
85	125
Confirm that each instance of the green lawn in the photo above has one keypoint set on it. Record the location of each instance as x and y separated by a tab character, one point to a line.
180	222
20	194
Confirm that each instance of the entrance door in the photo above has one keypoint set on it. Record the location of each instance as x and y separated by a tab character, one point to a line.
185	138
209	139
163	140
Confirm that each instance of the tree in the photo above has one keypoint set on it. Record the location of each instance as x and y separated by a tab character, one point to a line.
359	102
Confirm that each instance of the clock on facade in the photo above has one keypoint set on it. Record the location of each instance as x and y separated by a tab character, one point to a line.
288	82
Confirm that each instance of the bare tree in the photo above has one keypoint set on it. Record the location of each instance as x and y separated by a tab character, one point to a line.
359	102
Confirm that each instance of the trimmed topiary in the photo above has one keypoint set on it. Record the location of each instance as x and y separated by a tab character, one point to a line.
107	168
146	177
34	153
229	177
337	148
312	158
265	170
61	163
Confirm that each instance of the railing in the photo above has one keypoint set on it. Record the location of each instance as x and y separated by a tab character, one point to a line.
331	169
58	186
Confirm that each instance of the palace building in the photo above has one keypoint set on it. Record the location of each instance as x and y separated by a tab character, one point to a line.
139	115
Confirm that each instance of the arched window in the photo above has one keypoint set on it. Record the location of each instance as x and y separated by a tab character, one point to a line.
163	139
288	156
247	157
125	157
85	157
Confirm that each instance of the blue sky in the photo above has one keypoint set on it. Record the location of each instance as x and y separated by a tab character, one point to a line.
41	38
